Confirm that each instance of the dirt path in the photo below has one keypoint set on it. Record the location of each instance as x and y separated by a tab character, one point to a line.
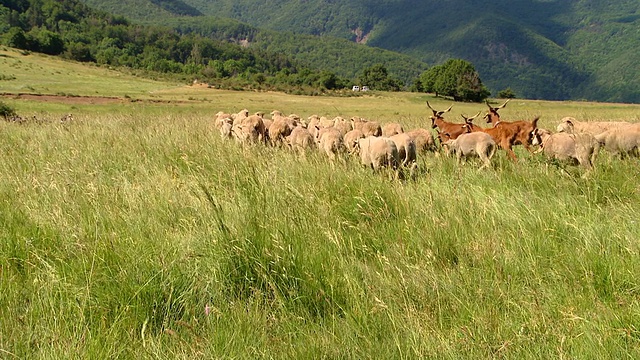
74	100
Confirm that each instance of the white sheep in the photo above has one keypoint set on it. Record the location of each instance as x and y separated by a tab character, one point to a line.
239	116
220	118
313	124
390	129
368	128
424	140
325	123
330	141
571	125
378	152
281	127
222	115
342	125
275	114
581	148
478	144
300	139
249	130
267	124
225	128
406	148
351	139
621	141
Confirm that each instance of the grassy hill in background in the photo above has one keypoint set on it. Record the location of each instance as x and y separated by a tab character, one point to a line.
541	49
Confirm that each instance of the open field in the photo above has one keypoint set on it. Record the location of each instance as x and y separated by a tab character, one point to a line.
134	231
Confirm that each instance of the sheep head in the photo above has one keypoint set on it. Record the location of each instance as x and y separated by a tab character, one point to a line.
566	125
539	137
449	146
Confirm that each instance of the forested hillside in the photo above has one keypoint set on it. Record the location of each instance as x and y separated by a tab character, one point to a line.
219	50
549	49
327	53
74	31
335	54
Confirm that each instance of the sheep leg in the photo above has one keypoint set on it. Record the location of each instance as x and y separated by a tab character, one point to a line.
485	160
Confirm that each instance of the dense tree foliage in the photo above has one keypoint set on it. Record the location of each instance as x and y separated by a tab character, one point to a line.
177	7
541	49
336	54
456	78
340	56
6	111
506	94
70	29
376	77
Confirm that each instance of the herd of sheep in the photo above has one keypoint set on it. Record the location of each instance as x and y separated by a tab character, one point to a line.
378	146
580	142
389	145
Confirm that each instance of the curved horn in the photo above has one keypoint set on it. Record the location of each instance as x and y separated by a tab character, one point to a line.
449	109
430	107
503	105
470	119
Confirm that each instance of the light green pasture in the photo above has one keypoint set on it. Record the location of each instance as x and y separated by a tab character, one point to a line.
134	231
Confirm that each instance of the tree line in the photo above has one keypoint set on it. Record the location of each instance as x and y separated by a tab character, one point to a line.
74	31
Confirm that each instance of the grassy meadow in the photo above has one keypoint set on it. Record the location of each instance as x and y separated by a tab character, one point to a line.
135	232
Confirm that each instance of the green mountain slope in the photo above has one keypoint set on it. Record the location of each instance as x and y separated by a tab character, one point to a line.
337	55
70	29
137	9
553	49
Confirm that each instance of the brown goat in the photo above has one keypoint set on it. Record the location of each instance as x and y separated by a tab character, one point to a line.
524	127
508	134
446	130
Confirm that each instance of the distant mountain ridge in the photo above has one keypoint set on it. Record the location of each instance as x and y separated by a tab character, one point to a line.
550	49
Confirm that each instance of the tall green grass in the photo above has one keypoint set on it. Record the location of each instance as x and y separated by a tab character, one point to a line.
147	236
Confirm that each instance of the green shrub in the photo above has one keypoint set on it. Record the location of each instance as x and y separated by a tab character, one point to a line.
507	94
6	111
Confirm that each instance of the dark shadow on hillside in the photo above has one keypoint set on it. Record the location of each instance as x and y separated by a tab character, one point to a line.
177	7
517	44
